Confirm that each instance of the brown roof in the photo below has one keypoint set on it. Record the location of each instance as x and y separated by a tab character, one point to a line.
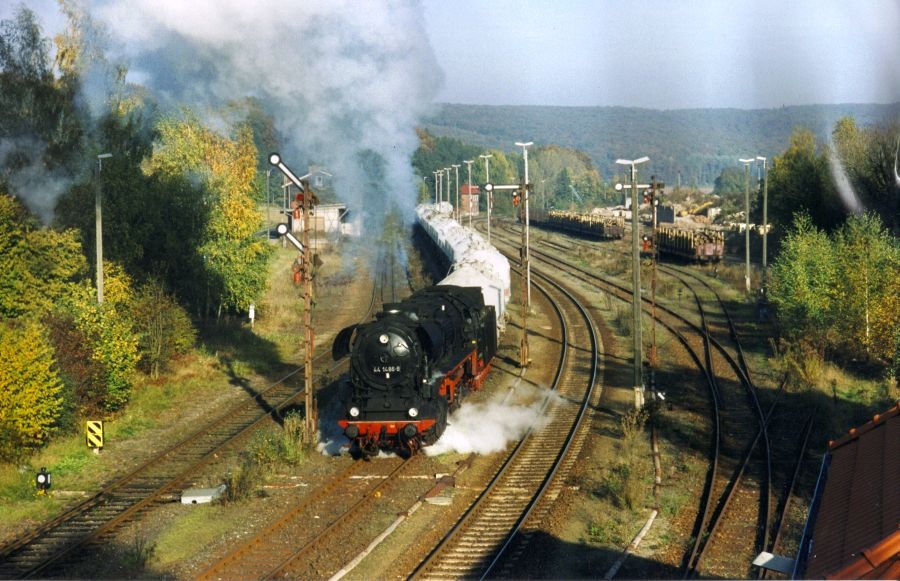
857	530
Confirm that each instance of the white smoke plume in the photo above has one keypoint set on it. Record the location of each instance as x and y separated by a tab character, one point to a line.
347	81
485	428
37	187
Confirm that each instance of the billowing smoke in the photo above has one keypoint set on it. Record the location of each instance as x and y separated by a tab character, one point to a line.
482	428
347	81
37	187
485	428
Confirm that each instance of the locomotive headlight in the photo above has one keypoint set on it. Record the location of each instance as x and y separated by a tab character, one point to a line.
383	339
354	412
413	412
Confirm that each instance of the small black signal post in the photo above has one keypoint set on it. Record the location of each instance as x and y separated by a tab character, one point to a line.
42	481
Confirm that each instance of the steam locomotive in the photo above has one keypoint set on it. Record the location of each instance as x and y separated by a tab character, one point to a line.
416	361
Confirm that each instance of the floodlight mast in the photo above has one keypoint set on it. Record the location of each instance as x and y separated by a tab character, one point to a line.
636	279
98	216
747	162
765	217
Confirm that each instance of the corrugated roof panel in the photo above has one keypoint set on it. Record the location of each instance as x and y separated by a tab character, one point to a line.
857	531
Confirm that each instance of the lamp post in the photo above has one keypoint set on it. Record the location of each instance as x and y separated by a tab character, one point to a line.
469	163
435	187
490	194
636	276
447	173
524	356
526	187
765	216
455	167
98	212
747	163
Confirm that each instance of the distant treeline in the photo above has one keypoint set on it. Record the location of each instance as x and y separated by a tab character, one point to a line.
693	145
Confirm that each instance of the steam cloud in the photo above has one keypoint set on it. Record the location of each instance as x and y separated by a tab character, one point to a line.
485	428
33	183
347	80
482	428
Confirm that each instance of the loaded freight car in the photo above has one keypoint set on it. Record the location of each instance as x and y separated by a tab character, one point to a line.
592	226
697	244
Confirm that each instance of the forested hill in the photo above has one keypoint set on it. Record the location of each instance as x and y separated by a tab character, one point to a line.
699	143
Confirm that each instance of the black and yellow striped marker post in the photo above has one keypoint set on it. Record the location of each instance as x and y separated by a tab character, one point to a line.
94	434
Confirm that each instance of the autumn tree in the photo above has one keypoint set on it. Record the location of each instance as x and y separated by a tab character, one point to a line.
867	157
39	119
868	260
232	259
839	291
803	282
30	387
562	177
800	182
39	267
164	328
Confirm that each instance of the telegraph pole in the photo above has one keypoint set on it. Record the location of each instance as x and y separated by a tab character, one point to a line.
524	357
312	407
520	193
98	217
490	193
747	163
655	189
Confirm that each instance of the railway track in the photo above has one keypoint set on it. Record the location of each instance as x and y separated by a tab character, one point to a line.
52	548
292	546
49	549
735	504
534	469
745	497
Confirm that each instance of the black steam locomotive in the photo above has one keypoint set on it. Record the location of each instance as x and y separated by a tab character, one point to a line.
412	365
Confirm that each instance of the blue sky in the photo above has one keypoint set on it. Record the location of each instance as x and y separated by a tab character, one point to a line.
666	54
